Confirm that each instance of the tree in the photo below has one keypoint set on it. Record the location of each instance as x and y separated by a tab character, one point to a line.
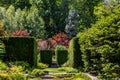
29	20
54	13
86	11
17	3
100	45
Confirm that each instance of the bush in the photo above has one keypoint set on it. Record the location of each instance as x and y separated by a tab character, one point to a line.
100	44
21	49
4	75
3	66
75	55
24	64
61	39
37	72
46	57
20	33
41	65
61	55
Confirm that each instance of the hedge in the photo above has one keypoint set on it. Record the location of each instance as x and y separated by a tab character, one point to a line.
61	57
46	56
75	55
20	49
61	53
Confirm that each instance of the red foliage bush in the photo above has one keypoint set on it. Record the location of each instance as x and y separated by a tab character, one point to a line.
20	32
61	39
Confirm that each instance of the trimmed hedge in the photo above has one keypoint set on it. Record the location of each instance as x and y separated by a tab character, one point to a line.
20	49
61	55
75	55
46	56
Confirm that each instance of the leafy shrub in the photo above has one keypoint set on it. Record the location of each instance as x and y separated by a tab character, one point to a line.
4	75
46	57
81	76
17	76
41	65
24	64
13	73
75	55
3	66
61	39
61	55
37	72
100	44
20	33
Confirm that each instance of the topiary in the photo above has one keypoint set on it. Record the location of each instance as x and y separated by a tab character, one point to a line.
75	54
61	54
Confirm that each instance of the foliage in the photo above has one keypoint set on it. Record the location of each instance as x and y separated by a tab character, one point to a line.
21	49
61	39
17	3
82	76
3	66
54	13
41	65
100	44
75	55
13	73
37	72
29	20
20	33
71	27
24	64
86	11
61	54
46	57
2	50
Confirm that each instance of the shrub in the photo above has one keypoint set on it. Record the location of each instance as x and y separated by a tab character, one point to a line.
24	64
20	33
21	49
37	72
41	65
75	55
46	57
4	75
61	39
101	44
3	66
17	76
61	55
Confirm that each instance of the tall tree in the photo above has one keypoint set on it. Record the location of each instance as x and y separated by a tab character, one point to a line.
17	3
86	11
54	13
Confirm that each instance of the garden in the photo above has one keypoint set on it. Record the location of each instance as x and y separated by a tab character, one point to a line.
60	40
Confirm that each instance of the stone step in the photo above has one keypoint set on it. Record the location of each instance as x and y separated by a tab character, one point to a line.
47	77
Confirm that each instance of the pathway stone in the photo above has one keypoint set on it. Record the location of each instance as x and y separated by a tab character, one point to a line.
47	77
91	76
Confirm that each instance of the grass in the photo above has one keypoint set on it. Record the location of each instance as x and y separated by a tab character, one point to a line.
52	70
